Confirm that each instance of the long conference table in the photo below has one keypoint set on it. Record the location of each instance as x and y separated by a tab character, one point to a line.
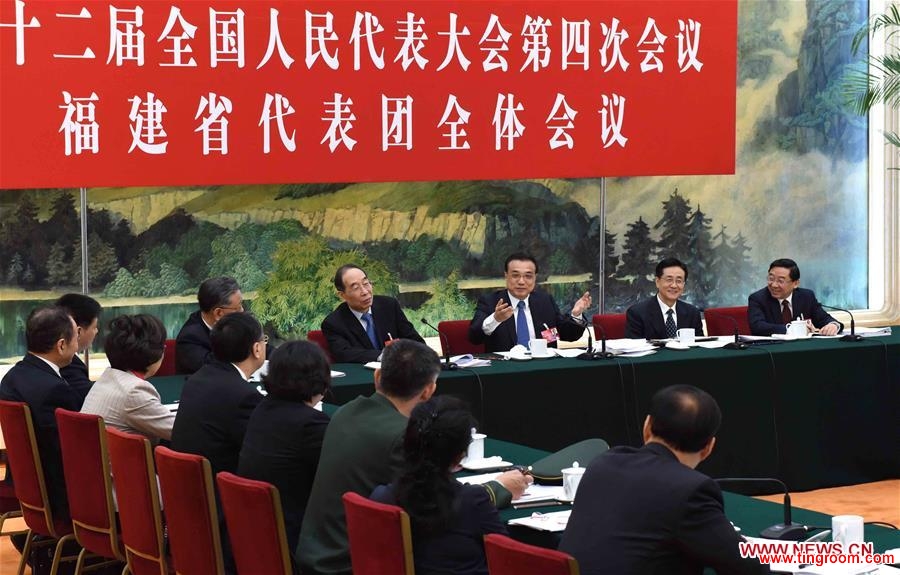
813	413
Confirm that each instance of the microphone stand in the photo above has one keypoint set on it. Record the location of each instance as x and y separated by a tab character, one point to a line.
590	354
787	531
852	336
737	343
446	365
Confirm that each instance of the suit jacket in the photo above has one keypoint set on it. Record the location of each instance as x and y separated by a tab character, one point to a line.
639	511
348	340
282	446
363	448
459	549
543	311
192	347
130	404
215	406
764	311
76	373
34	382
645	320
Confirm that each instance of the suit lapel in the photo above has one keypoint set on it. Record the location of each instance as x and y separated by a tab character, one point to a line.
356	328
656	319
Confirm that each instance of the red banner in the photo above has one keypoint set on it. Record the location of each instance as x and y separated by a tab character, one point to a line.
159	93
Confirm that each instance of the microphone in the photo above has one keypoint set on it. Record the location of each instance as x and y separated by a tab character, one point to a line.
737	343
852	336
590	354
446	364
787	531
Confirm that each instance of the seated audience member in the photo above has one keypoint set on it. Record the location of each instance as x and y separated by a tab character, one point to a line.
641	511
661	316
122	396
358	329
363	448
85	310
284	434
520	313
52	340
217	401
782	301
217	297
449	519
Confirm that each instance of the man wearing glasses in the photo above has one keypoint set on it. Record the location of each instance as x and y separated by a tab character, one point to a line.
364	323
782	301
519	313
217	297
661	317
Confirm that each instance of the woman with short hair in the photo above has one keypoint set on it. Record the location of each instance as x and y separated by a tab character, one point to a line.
284	434
122	396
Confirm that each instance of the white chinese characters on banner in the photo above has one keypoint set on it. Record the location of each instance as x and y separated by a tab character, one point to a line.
576	41
366	25
688	45
454	49
82	133
178	45
535	43
612	115
561	120
396	123
147	131
87	53
494	41
507	127
275	43
611	51
340	118
455	117
282	109
126	38
20	27
651	45
411	33
215	123
226	38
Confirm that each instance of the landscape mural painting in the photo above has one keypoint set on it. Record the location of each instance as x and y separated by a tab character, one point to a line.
800	191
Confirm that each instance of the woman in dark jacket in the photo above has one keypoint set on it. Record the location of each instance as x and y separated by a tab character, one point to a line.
449	519
284	434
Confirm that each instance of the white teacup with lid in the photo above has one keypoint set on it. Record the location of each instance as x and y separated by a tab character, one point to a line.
571	479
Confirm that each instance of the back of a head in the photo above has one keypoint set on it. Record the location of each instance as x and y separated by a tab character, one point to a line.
233	336
215	292
407	367
135	342
45	326
437	434
298	371
685	417
83	309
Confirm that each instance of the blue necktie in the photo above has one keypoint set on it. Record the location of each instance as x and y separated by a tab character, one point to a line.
523	334
370	329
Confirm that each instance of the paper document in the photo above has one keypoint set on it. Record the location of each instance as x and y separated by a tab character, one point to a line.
478	479
469	360
536	493
337	373
553	522
373	365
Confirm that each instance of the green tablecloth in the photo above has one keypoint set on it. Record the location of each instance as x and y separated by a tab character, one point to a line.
813	413
751	515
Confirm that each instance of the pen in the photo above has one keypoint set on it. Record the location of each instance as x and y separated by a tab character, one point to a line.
538	504
390	336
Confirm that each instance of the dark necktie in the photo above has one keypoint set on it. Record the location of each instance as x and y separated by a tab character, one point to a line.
786	312
370	329
671	328
523	334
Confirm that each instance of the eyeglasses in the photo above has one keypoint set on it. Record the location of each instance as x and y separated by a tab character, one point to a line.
240	307
517	276
355	288
265	338
780	282
669	280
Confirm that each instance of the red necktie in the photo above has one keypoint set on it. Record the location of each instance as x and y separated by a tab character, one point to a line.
786	312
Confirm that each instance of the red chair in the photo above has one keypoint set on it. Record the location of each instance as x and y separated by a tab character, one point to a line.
457	333
168	363
317	337
9	505
612	323
185	481
717	322
380	537
31	490
82	440
255	525
140	518
507	556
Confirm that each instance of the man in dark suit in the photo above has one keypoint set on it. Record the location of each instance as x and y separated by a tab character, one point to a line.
782	301
533	313
646	511
217	297
217	402
52	341
660	317
360	327
85	310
